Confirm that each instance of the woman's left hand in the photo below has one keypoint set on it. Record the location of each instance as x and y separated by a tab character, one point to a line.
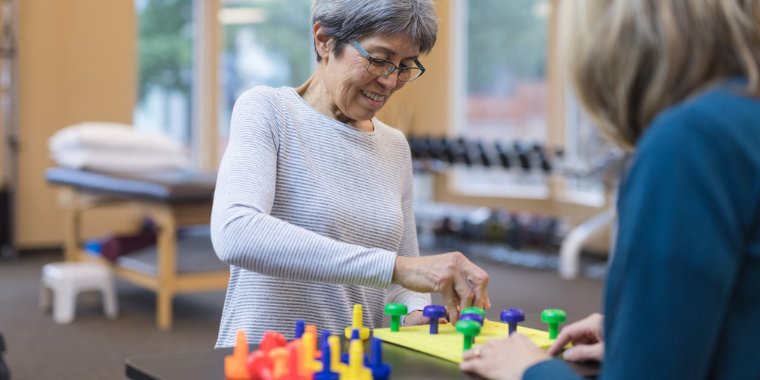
503	359
415	318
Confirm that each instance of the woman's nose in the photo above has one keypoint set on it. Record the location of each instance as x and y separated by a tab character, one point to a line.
389	81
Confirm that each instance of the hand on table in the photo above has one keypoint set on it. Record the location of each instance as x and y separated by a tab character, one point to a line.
503	359
416	318
586	337
462	283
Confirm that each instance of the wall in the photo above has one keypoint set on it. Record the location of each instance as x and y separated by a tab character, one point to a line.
77	63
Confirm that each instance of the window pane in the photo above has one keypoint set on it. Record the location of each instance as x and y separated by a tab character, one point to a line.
165	61
266	42
506	69
506	91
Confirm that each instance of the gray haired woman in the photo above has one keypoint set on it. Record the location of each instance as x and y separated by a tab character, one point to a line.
313	207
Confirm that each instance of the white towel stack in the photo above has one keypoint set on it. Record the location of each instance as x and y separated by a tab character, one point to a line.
114	147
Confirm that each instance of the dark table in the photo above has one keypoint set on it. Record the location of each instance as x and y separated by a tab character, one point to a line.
208	364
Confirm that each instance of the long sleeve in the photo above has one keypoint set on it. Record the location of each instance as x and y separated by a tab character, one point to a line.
682	223
244	233
409	248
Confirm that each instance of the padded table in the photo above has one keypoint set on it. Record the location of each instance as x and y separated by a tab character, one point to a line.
173	199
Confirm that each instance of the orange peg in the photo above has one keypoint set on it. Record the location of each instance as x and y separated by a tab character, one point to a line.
235	365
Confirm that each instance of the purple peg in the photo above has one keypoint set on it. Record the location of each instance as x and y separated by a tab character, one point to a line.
472	317
512	316
300	328
434	312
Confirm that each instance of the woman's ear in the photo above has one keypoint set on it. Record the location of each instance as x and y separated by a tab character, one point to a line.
321	41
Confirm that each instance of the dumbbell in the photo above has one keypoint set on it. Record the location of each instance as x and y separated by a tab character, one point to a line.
502	155
483	155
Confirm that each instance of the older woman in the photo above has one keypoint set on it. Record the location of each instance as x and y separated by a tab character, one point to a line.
680	81
313	206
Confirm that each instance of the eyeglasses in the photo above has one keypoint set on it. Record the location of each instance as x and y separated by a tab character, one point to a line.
383	67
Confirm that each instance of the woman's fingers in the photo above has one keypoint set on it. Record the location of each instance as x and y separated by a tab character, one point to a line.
585	331
451	302
585	352
479	280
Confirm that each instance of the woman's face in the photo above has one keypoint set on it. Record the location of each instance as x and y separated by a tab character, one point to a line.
356	93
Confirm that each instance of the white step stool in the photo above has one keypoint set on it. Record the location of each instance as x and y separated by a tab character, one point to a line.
67	279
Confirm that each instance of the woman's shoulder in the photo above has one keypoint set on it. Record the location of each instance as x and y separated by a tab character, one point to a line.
260	94
724	111
391	134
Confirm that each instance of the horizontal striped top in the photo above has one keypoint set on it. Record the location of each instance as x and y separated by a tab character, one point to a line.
310	213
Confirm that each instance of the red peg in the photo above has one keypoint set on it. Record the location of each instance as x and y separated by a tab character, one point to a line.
272	340
259	366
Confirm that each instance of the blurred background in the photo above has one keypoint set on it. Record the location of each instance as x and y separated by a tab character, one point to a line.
508	169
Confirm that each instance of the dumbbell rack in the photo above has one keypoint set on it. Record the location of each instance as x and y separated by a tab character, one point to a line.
523	162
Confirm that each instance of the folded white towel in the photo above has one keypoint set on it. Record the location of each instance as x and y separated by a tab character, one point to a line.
114	147
119	160
112	136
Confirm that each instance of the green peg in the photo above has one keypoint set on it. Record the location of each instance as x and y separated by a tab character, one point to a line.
474	310
553	317
396	311
470	329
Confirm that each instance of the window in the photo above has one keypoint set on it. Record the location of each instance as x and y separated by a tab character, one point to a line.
266	42
502	88
165	61
503	93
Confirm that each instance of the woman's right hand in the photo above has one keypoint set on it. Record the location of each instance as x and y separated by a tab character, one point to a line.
462	283
586	337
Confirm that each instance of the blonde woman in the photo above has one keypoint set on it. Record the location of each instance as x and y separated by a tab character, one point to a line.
679	81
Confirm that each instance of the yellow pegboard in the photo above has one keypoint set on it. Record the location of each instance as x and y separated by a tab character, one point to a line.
448	343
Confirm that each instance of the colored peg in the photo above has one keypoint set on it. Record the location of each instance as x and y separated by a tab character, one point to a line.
553	317
357	324
380	370
474	310
396	311
235	367
295	352
472	317
259	366
326	373
309	342
356	369
300	328
512	317
434	312
279	357
345	357
470	329
335	364
272	340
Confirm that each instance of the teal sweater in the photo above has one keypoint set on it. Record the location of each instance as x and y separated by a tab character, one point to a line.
683	291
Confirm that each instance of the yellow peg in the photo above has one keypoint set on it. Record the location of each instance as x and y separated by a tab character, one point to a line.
357	324
335	364
309	341
356	369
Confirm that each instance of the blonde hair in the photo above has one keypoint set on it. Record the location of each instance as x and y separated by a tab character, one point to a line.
631	59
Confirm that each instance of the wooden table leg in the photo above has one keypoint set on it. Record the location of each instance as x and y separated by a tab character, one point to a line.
67	199
167	264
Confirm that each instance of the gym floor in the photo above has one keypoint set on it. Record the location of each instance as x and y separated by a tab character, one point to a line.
93	347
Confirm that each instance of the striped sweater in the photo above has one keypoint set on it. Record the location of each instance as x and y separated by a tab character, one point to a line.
310	213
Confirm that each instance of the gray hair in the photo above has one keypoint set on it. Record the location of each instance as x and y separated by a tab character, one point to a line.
344	20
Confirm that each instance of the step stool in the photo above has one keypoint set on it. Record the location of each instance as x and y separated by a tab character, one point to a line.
67	279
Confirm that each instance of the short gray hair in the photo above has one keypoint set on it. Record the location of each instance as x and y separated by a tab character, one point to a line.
344	20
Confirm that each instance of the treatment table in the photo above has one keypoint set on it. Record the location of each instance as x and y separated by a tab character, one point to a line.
173	199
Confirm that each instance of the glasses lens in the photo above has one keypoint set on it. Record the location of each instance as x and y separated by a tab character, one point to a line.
380	67
409	74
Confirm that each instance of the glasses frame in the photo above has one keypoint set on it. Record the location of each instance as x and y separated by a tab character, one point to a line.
395	68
